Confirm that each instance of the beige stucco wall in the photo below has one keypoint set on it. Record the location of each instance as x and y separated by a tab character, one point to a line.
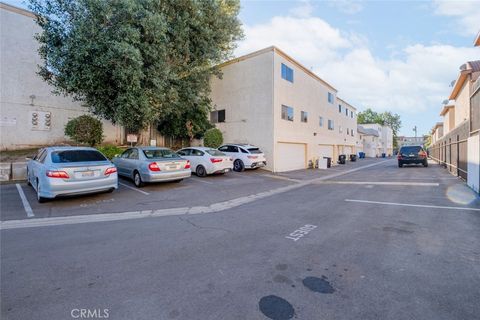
462	104
246	93
19	81
308	94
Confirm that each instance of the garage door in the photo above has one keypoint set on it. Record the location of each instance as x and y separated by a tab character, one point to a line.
325	151
290	156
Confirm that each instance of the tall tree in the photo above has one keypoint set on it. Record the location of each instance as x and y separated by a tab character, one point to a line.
137	62
385	119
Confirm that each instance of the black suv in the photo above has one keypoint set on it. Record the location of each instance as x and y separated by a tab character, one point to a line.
412	154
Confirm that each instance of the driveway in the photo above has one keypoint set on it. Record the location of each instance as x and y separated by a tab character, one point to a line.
371	242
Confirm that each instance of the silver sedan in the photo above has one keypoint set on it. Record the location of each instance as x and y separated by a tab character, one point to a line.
151	164
58	171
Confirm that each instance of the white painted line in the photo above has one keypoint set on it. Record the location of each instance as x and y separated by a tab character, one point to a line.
413	205
280	177
386	183
216	207
25	203
135	189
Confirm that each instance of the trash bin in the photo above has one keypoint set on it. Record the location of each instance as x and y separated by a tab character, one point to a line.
329	161
383	155
353	157
342	158
361	155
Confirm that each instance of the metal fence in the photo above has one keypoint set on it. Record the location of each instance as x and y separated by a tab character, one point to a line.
451	151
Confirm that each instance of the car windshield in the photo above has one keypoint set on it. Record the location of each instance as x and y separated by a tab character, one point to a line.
77	156
160	153
254	150
409	150
214	152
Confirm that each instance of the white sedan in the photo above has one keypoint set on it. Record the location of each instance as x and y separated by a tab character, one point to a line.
245	156
205	160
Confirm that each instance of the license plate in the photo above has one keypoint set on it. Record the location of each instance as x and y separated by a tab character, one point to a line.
172	167
88	173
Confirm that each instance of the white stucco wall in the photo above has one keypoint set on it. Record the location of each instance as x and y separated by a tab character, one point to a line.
19	81
462	105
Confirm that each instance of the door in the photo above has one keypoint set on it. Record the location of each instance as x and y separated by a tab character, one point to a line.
120	162
290	156
325	151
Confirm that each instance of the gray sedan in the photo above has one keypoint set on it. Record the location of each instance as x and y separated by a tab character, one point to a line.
59	171
151	164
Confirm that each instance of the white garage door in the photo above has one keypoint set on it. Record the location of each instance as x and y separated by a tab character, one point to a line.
290	156
325	151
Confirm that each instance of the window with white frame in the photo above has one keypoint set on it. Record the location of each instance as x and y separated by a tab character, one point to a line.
287	73
287	113
330	125
330	97
304	116
320	121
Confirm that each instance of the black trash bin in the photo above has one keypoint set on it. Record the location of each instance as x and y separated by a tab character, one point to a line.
329	161
342	159
353	157
383	155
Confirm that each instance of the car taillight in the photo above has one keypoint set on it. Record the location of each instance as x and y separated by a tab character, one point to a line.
187	166
422	154
153	166
110	170
252	157
399	156
57	174
215	160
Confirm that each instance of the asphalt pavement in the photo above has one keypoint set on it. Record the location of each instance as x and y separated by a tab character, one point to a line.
380	242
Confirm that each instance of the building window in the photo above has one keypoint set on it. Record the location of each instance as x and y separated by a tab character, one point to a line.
348	131
351	114
287	73
340	130
339	108
346	112
320	121
352	132
217	116
330	125
287	113
330	97
304	116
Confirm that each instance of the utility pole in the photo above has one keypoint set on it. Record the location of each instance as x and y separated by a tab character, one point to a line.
415	129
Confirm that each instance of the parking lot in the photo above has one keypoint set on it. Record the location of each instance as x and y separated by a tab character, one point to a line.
191	192
367	240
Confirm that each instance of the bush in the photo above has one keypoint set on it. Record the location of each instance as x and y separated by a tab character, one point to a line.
85	129
213	138
110	150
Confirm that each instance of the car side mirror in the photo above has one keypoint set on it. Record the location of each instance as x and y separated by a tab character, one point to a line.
28	158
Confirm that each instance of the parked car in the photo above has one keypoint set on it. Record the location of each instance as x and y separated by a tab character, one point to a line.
151	164
412	155
244	156
61	171
205	160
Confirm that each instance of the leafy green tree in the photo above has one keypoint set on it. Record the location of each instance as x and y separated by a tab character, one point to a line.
85	129
385	119
137	62
213	138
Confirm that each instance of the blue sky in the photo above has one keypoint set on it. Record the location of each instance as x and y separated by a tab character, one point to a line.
388	55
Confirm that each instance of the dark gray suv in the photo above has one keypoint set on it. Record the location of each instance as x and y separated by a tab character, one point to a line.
412	155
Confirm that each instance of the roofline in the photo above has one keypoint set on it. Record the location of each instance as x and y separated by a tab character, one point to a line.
446	108
347	103
437	125
18	10
284	55
458	84
476	43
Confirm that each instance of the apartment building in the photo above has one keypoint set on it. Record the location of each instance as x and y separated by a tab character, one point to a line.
368	140
385	138
30	114
410	141
268	99
437	132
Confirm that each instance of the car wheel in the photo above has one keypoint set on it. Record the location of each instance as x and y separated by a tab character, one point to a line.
39	198
137	180
200	171
238	166
400	164
28	179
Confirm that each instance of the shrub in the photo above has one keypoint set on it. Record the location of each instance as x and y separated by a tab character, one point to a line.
213	138
110	150
85	129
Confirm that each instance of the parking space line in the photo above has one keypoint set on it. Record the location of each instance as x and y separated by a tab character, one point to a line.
281	177
412	205
201	180
135	189
25	203
386	183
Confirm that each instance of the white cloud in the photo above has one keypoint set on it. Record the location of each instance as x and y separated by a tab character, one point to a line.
416	79
347	6
466	13
305	9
